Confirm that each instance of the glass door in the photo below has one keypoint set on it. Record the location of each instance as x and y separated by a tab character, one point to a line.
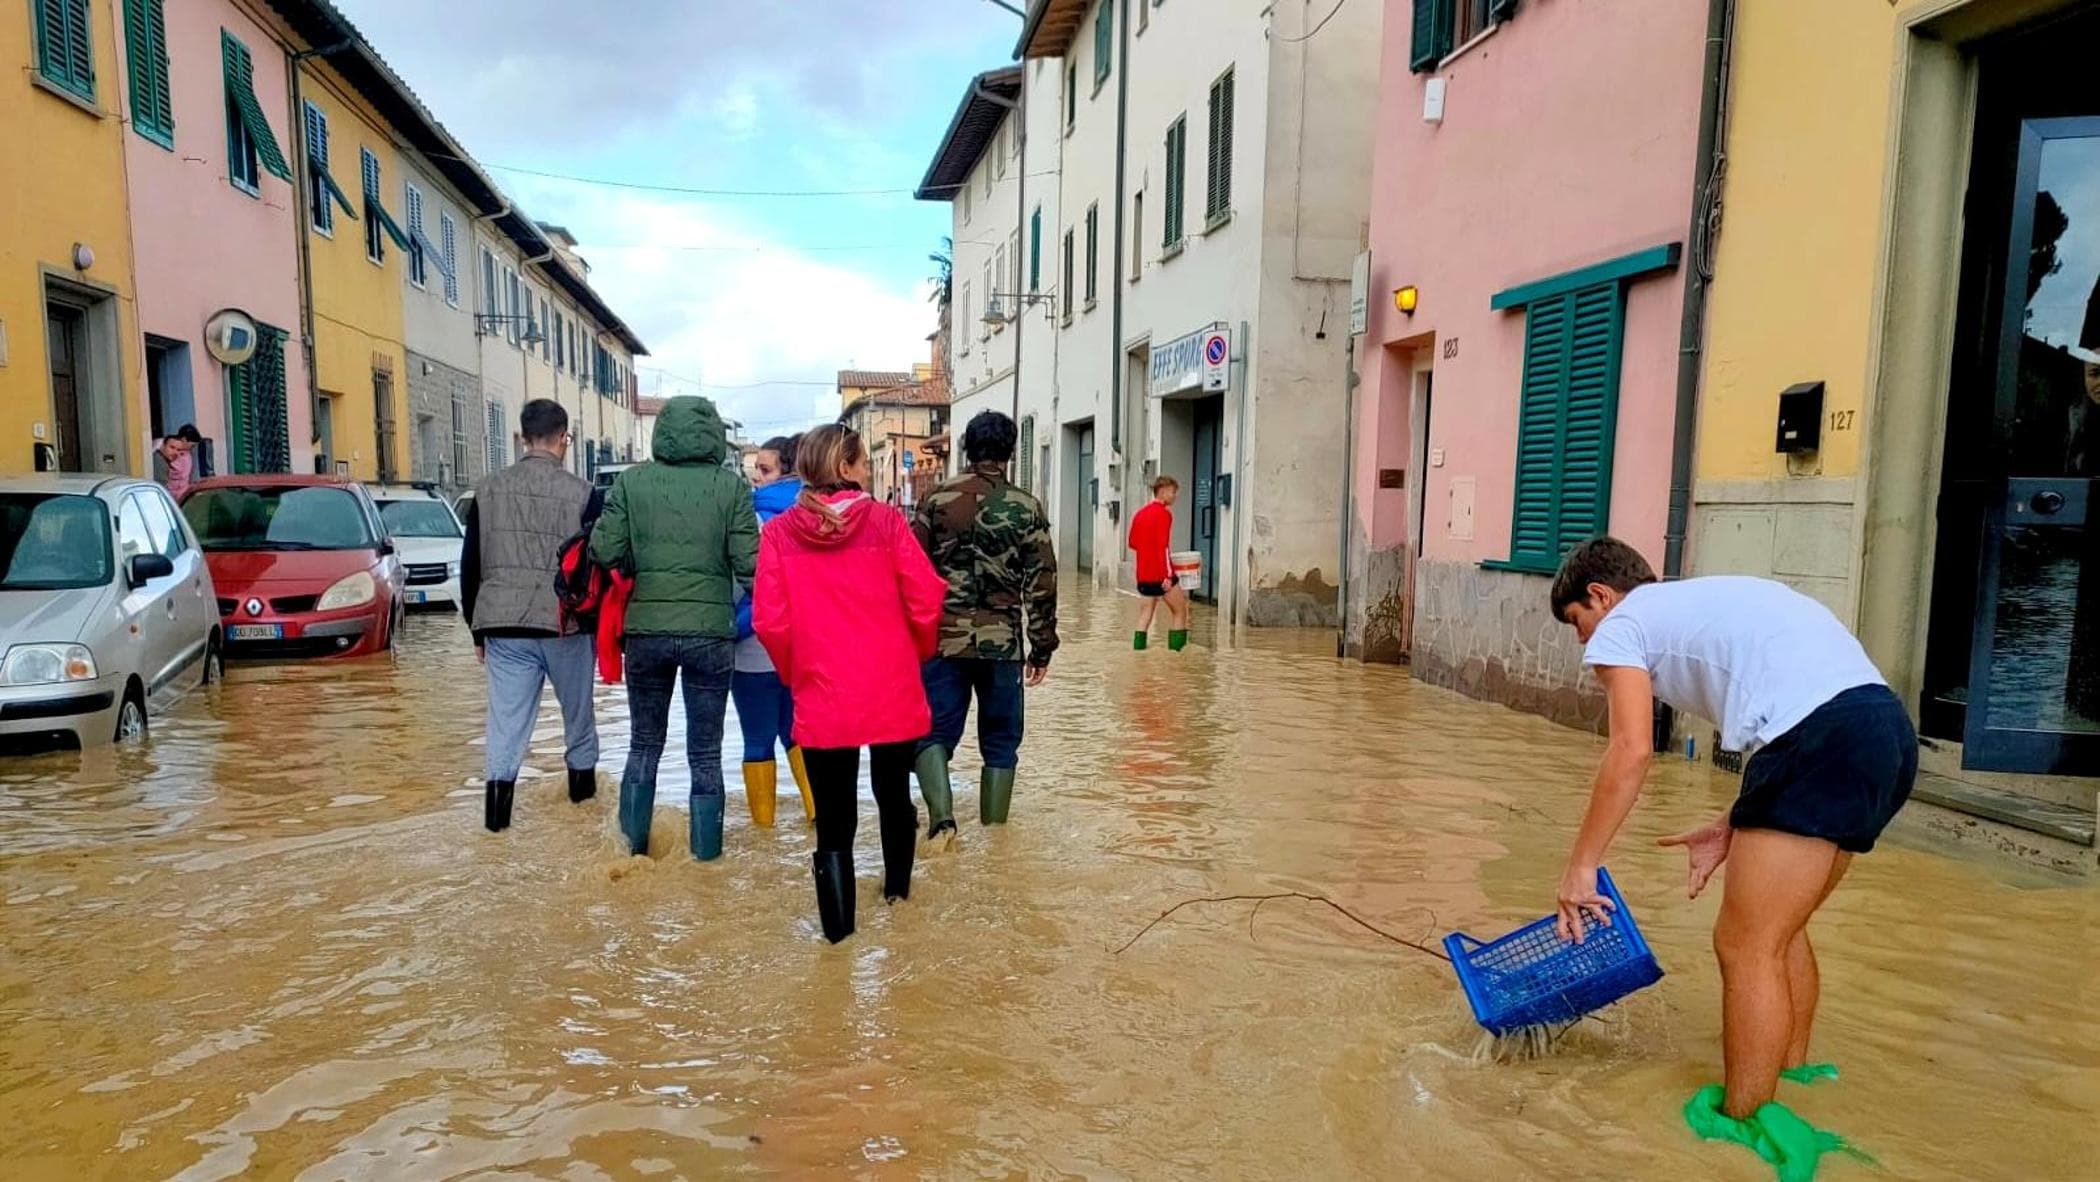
2034	670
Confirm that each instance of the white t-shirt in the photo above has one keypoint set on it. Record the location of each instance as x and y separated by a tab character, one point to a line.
1753	655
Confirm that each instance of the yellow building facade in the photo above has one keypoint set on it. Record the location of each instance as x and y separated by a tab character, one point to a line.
70	356
1909	226
356	254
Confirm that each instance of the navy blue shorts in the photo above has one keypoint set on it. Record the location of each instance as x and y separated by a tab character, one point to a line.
1153	590
1840	774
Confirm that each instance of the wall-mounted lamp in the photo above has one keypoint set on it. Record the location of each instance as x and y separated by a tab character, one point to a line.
1405	298
83	256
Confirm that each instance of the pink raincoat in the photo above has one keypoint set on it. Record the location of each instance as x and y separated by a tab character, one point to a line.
848	606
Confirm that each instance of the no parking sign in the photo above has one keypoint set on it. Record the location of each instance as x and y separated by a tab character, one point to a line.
1217	359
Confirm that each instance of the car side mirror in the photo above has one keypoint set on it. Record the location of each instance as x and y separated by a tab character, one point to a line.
144	568
386	547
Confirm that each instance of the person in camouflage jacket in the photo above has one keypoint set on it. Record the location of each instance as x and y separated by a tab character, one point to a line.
989	538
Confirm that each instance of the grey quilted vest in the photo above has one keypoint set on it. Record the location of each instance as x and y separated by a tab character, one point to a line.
523	514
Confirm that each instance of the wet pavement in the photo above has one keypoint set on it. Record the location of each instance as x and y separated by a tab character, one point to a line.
275	943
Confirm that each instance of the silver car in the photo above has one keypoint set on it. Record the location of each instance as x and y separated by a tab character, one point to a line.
107	611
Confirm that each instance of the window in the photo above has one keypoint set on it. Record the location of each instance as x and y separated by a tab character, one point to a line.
258	427
324	196
1071	95
1093	253
251	147
1567	416
962	311
546	335
966	200
999	148
379	224
1011	280
991	299
561	343
1068	287
1035	250
1177	184
1001	288
146	55
65	54
1217	205
1144	15
1104	42
1442	25
1137	236
489	306
498	440
448	250
418	262
1025	455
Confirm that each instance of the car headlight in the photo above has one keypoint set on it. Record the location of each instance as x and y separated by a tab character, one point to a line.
47	664
349	591
451	570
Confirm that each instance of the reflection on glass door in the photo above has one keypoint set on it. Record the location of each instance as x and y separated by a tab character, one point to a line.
2034	693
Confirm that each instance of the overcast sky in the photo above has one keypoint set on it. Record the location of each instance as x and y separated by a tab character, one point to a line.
780	95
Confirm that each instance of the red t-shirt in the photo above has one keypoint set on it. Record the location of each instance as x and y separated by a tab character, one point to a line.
1152	535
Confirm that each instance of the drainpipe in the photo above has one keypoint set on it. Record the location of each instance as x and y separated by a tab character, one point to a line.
1708	165
294	61
1706	179
1017	110
1239	469
1117	356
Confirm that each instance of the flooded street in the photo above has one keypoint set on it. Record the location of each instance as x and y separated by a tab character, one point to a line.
276	943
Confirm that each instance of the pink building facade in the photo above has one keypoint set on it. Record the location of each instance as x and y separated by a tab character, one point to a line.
1533	188
212	234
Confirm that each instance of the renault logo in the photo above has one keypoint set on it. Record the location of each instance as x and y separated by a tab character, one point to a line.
255	607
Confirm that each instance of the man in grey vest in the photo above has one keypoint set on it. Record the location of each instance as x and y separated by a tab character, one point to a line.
516	525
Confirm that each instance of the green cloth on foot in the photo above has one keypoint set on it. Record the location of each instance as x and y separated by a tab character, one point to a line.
1809	1073
1773	1132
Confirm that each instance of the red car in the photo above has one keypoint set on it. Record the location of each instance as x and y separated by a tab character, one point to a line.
303	566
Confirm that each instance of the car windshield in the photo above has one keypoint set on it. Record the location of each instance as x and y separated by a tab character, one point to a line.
277	517
53	542
418	519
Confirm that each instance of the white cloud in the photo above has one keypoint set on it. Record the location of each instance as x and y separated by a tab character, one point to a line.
755	313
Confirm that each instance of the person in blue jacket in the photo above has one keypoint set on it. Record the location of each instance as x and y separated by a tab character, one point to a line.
763	708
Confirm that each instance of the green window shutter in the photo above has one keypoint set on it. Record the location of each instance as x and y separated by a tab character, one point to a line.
1218	200
1434	23
1093	253
1025	470
270	425
1567	419
65	53
146	59
1035	250
1104	40
1177	159
240	96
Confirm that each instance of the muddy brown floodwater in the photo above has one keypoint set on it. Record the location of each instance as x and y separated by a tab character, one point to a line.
275	943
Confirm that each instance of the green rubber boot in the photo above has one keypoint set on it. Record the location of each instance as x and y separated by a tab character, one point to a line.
995	793
934	789
1177	640
1139	640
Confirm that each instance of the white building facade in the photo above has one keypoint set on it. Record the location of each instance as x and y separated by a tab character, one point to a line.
1197	171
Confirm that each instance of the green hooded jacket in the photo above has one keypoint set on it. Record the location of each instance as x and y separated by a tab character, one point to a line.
684	526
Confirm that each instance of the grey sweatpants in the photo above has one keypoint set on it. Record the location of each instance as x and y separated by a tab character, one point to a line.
519	668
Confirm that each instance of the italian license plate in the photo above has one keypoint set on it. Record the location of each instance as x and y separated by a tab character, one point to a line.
419	597
258	632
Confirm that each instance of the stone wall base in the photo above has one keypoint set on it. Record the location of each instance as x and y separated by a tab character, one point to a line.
1491	635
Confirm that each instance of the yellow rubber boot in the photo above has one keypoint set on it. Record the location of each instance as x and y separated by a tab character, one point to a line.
809	800
759	781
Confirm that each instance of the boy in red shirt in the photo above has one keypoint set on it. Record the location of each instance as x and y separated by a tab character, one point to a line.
1152	536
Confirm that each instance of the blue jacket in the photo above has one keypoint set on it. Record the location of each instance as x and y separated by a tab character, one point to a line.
770	502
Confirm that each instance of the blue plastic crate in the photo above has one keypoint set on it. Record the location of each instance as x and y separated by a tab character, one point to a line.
1532	977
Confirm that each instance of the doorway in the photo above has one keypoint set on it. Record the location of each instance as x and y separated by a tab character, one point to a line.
1084	493
383	424
69	379
1206	471
2012	666
324	434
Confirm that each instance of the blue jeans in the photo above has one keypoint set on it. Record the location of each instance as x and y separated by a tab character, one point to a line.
950	681
766	713
654	663
519	668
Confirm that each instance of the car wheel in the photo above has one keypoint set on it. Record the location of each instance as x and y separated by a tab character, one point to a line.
214	663
131	718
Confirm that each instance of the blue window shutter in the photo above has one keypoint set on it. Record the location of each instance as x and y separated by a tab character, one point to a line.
1035	250
1104	40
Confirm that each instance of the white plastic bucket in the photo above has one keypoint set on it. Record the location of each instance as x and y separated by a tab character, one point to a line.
1188	569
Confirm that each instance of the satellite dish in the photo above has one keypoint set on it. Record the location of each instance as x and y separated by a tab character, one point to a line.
230	337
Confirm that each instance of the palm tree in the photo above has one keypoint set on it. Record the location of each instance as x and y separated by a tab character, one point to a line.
944	276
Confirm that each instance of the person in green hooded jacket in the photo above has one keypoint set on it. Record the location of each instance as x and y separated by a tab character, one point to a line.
683	526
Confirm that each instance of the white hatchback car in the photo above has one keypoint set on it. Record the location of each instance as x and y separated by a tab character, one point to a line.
107	609
429	538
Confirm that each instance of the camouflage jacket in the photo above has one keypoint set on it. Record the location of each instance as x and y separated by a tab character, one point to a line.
990	540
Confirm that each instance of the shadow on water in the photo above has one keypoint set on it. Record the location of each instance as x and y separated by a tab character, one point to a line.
274	942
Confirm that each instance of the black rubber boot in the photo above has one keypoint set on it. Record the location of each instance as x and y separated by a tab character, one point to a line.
900	840
496	799
834	874
583	784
